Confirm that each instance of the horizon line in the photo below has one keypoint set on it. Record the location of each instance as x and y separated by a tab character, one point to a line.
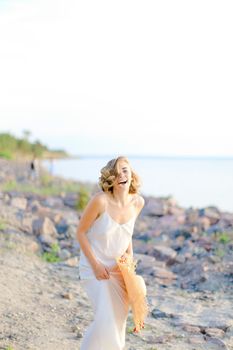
133	156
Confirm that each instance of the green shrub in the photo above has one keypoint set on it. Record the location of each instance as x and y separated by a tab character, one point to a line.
2	225
52	256
7	142
5	154
83	199
224	238
9	186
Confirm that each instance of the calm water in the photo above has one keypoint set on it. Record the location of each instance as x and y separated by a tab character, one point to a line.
193	182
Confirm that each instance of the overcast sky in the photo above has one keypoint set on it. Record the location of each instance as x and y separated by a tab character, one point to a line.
119	77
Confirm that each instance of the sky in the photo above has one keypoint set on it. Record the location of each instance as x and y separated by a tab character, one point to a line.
119	77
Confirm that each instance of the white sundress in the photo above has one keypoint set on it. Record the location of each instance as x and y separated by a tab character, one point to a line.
108	240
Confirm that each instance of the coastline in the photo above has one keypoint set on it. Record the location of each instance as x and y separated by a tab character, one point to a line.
184	255
194	183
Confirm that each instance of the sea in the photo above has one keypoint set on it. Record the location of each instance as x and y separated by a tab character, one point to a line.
193	182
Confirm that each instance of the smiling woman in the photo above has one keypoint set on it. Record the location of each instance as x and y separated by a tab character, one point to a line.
118	171
105	235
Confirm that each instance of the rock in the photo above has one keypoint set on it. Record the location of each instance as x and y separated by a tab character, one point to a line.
229	332
204	222
44	227
191	273
205	242
34	206
176	211
180	259
214	332
46	239
57	218
163	274
143	237
76	329
65	244
196	340
148	265
26	224
155	207
141	247
7	198
216	344
72	262
67	295
20	203
70	200
162	339
227	219
164	253
212	213
141	226
62	227
191	216
214	229
205	318
156	313
172	202
79	335
52	202
64	254
71	231
181	233
214	259
191	329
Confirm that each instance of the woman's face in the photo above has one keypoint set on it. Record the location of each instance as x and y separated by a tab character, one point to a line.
124	177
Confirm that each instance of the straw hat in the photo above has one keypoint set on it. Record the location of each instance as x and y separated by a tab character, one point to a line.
136	290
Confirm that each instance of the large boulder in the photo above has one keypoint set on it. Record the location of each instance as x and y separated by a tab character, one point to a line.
212	213
164	253
155	207
44	226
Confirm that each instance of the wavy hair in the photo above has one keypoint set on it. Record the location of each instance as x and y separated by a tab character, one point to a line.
109	173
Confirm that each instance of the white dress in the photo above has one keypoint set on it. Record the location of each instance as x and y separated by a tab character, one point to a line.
108	240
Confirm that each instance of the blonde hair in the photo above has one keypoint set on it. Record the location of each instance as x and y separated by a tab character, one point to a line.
109	173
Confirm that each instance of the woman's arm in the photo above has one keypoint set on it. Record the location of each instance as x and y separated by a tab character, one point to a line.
94	208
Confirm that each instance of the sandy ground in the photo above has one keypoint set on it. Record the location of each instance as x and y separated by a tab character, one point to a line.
43	307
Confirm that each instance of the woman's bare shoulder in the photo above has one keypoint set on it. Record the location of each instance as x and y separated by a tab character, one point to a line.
98	200
139	202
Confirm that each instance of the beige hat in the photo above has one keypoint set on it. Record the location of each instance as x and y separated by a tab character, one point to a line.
136	290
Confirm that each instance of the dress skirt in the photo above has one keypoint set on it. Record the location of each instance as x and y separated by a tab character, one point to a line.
110	306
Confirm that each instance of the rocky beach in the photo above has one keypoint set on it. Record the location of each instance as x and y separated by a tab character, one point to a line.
184	254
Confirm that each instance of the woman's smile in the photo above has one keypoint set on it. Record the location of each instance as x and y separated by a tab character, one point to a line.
123	182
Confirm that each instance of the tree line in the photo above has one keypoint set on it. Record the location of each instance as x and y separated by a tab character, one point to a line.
12	147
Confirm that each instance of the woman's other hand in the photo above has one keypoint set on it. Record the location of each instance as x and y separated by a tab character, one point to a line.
101	272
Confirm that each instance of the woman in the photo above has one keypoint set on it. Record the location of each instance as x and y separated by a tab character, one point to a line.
105	234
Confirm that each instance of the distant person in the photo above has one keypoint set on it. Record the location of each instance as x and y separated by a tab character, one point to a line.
105	233
33	170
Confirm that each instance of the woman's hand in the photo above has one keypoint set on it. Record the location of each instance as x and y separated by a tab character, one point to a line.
101	272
